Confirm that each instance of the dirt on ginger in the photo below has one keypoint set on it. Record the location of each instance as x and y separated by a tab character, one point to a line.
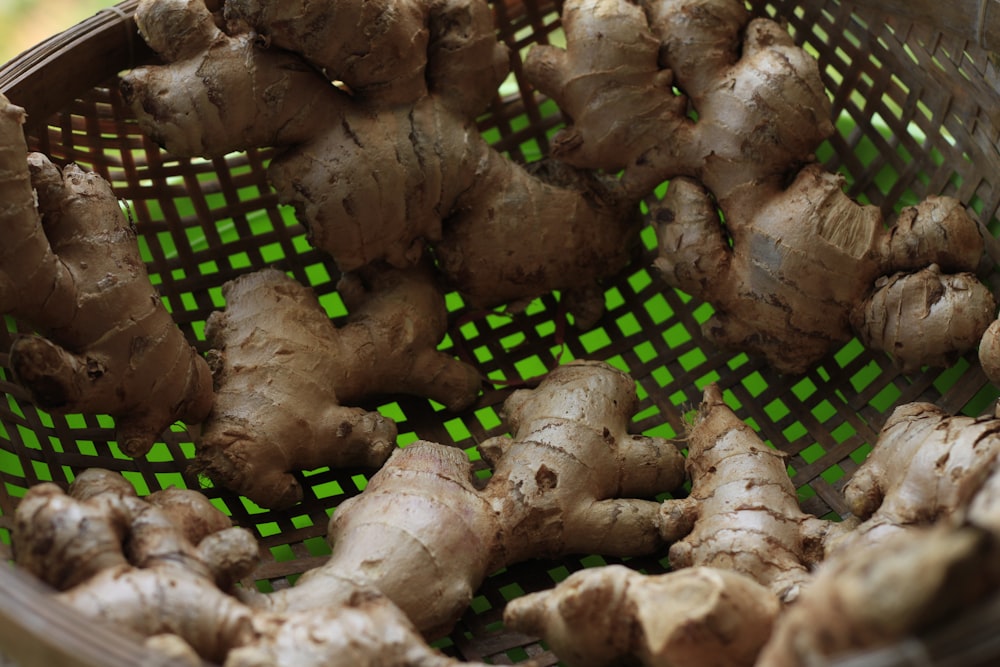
730	111
612	615
288	379
70	269
396	162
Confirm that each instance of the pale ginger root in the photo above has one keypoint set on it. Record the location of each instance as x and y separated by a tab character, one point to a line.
795	257
558	483
425	534
612	615
367	629
409	551
742	513
164	567
926	318
70	268
885	593
925	466
129	563
396	163
287	377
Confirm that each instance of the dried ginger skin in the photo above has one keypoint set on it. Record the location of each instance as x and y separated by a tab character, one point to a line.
377	48
939	230
742	512
338	163
465	63
428	519
390	53
64	558
165	567
483	252
219	93
396	320
622	61
275	345
612	615
444	538
796	268
261	428
611	124
107	344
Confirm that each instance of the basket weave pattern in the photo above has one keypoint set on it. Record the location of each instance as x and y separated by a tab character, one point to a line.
922	102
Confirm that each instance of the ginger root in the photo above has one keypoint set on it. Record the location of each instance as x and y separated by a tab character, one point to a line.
883	593
70	268
612	615
926	466
742	513
557	488
161	565
164	568
409	551
366	630
397	162
286	376
989	352
795	269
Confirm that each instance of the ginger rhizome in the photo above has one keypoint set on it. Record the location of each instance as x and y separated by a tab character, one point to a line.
409	552
742	513
926	466
395	162
289	381
612	615
70	269
885	592
163	564
570	480
989	352
797	268
164	567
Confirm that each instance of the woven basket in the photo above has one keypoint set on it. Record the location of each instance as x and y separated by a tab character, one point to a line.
915	91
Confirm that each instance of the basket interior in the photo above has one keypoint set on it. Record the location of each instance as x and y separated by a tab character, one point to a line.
916	114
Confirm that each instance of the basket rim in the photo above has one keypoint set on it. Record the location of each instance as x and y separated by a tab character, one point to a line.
68	63
30	610
975	20
73	61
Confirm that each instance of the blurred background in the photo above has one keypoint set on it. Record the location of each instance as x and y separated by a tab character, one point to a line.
24	23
